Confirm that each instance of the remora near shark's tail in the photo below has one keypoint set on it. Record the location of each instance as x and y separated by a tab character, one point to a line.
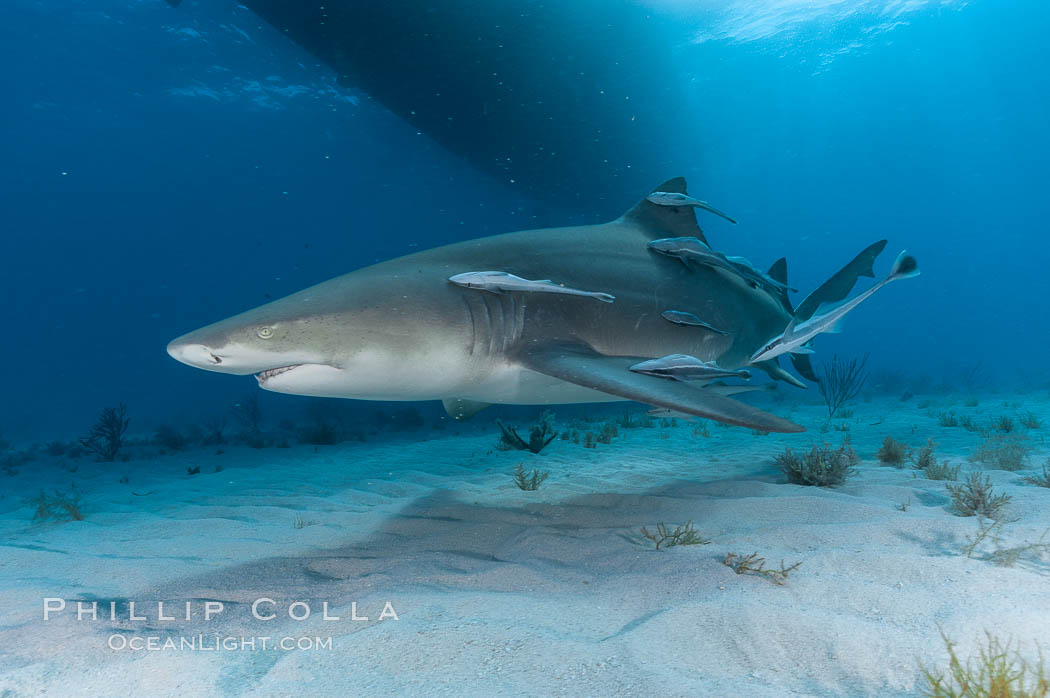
799	333
833	290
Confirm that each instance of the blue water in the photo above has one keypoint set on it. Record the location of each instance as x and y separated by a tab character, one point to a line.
163	168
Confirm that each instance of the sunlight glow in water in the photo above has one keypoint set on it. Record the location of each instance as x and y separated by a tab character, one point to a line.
747	20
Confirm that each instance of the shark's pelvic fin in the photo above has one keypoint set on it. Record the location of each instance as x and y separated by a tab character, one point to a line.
666	221
460	409
583	366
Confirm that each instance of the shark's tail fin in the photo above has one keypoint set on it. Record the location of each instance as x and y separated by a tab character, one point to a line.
841	283
904	267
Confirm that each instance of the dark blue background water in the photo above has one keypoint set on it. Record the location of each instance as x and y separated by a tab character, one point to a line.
162	169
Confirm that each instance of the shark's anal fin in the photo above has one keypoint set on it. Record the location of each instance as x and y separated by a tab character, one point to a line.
459	409
666	221
804	367
583	366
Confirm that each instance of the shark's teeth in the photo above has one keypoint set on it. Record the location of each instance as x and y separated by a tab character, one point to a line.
270	373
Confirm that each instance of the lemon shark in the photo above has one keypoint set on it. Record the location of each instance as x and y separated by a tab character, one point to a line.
400	330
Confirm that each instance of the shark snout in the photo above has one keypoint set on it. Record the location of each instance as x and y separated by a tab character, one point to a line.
218	352
222	356
196	355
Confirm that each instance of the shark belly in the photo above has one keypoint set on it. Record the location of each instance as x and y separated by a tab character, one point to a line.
513	384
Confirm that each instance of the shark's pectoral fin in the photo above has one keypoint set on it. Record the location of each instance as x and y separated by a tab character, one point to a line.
459	408
582	365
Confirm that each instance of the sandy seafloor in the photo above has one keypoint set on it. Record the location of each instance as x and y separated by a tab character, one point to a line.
504	592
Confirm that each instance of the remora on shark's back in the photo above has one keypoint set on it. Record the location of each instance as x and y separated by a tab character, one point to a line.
400	330
500	281
671	198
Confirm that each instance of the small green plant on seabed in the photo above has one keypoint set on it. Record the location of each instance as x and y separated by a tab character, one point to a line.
989	536
107	434
821	466
1030	421
975	497
59	506
1040	480
1004	451
998	671
683	535
1003	423
924	457
941	471
528	482
609	432
892	452
753	564
540	435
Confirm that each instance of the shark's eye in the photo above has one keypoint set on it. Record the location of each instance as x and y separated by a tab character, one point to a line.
264	332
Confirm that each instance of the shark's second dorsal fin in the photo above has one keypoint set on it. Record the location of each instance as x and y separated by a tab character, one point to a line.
666	221
779	273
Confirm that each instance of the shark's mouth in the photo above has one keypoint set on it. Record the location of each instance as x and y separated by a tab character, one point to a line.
270	373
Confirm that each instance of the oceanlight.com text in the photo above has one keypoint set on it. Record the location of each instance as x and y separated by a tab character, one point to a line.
216	643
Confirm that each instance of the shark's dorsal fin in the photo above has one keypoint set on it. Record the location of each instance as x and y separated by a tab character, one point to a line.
779	273
666	221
